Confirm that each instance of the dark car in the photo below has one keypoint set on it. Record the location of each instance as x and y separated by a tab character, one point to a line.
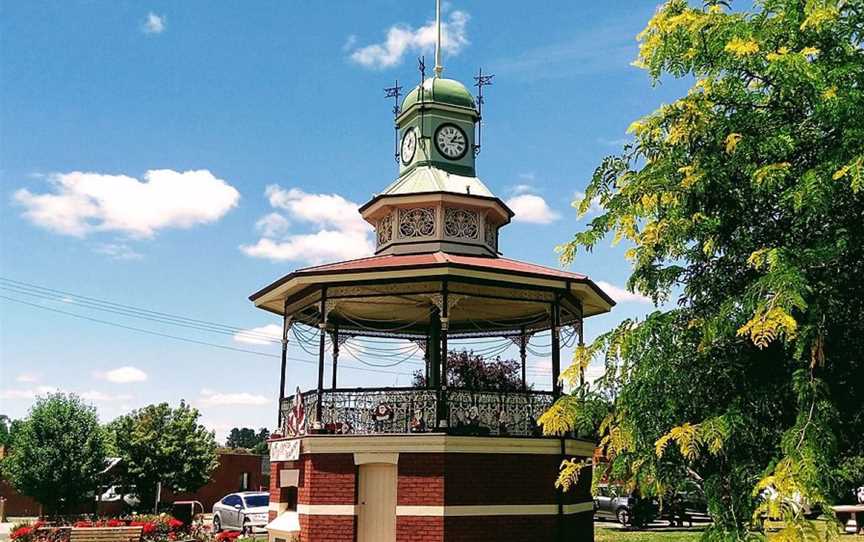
614	502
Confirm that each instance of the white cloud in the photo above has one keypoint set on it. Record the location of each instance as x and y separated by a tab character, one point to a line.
28	377
341	233
532	208
122	375
272	225
522	189
101	397
403	38
620	294
321	209
260	335
118	251
82	203
212	398
154	24
26	393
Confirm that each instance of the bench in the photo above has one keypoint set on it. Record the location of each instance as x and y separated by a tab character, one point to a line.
105	534
845	512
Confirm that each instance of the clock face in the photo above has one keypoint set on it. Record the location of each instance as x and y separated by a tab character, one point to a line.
409	146
451	141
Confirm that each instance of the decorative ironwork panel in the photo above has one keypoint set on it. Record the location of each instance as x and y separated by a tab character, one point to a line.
496	413
384	230
418	222
364	412
400	410
491	236
461	223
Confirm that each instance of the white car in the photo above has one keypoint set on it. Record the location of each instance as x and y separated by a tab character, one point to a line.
245	511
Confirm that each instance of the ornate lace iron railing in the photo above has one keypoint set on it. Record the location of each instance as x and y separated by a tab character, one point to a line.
369	411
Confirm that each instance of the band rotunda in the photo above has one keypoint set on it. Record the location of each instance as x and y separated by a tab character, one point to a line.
430	462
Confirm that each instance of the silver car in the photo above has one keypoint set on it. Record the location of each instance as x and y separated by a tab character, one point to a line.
245	511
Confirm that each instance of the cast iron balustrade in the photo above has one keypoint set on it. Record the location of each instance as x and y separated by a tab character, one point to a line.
372	411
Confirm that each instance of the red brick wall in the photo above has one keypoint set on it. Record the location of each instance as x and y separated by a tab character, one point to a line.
576	528
420	529
16	503
483	479
327	528
327	479
420	481
225	479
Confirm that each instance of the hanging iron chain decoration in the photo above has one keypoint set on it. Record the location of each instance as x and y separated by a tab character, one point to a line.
418	222
480	81
461	223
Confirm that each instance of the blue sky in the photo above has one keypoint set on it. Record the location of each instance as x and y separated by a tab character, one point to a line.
138	141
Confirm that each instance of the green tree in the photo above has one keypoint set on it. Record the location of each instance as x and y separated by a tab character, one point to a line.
744	200
56	453
471	371
162	444
5	430
246	437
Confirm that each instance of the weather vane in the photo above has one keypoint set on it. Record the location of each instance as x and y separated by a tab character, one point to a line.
394	92
480	81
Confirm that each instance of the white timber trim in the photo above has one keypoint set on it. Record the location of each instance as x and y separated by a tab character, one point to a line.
440	443
365	458
494	510
327	509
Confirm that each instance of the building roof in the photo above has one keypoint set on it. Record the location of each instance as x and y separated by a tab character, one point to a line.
394	261
423	179
440	90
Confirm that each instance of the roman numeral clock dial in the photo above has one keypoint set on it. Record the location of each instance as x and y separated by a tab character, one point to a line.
451	141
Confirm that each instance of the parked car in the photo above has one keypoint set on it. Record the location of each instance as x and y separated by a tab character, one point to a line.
245	511
613	502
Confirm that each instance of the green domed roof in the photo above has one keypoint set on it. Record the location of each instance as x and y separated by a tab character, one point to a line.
443	91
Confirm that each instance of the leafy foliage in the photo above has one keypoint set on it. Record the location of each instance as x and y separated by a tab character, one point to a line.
57	452
162	444
247	438
743	199
468	370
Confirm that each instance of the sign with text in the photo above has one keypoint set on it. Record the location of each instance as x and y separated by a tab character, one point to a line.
285	450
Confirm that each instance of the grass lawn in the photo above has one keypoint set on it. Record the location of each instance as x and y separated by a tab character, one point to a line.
610	533
603	533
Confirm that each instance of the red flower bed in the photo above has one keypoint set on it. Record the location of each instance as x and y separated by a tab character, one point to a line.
21	532
227	536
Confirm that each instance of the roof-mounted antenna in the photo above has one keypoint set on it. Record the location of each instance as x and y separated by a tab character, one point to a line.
480	81
439	69
394	92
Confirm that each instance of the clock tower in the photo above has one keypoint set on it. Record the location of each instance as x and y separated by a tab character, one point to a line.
437	203
436	128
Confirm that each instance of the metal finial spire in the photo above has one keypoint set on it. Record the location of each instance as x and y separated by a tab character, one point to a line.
438	67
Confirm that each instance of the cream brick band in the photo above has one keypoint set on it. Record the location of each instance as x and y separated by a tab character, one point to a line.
494	510
440	443
453	511
327	509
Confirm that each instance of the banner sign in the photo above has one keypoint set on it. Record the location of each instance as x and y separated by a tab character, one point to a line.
285	450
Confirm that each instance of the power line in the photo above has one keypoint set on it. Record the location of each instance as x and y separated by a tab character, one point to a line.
184	339
128	310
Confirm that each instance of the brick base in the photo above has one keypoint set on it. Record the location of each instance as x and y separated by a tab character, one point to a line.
455	482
